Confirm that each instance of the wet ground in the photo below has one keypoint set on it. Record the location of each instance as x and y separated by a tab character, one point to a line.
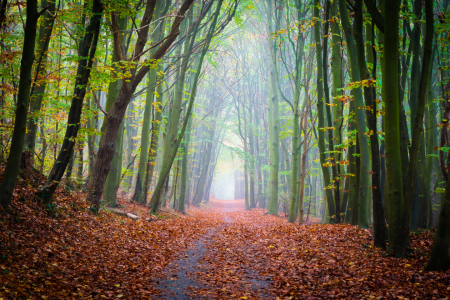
209	269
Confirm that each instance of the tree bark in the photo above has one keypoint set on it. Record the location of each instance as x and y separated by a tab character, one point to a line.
175	140
117	113
23	98
360	118
45	32
147	118
418	127
369	95
321	115
440	254
394	182
87	52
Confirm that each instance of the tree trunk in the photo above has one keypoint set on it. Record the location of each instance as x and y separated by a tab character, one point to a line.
87	53
321	121
147	118
440	254
369	95
333	162
153	150
338	107
359	117
394	182
184	166
296	130
117	113
45	32
23	98
417	129
174	139
274	128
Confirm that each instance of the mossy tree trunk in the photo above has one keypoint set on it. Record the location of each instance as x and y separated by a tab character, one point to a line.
417	130
360	118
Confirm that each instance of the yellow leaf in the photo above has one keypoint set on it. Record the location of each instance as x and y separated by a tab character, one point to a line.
244	297
117	285
271	246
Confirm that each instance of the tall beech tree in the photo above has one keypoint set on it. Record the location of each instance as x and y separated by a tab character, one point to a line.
394	182
129	84
175	138
87	54
360	121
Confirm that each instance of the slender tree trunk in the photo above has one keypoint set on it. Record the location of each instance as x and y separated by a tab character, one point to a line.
80	163
147	118
417	129
117	113
430	144
252	156
333	162
38	90
369	94
44	147
360	118
274	111
174	137
184	168
351	172
296	130
23	98
338	107
321	114
356	198
87	53
153	150
246	188
440	254
259	196
303	172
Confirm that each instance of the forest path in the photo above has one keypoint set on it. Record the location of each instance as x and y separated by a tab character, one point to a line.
249	255
210	268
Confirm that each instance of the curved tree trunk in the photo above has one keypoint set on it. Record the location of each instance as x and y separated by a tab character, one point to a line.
117	113
87	52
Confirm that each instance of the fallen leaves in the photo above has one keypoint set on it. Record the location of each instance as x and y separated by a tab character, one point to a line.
217	252
259	256
80	255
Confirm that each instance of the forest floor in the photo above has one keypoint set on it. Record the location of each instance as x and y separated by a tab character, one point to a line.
218	251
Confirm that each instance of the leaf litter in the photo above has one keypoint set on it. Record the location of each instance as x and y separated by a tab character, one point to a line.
235	254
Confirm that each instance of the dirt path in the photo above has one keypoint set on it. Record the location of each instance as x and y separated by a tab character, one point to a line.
249	255
207	270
